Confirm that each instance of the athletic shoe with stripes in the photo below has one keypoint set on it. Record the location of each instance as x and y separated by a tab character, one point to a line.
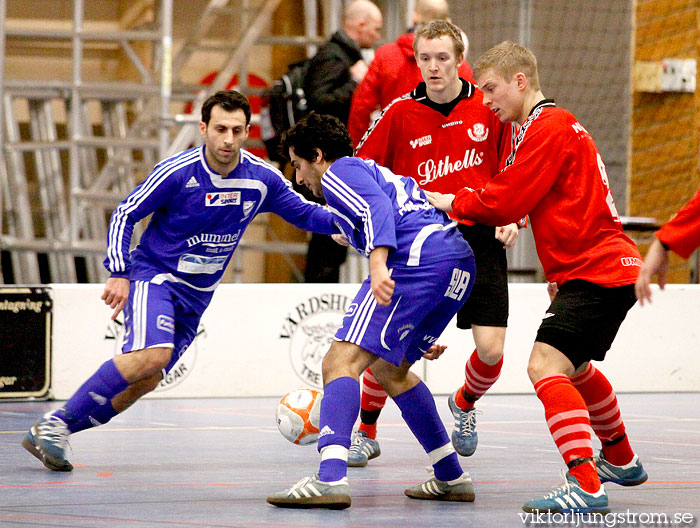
464	437
632	474
461	490
569	497
47	440
362	449
310	492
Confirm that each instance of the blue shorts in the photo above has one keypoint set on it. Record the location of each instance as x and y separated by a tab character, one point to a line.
158	315
425	300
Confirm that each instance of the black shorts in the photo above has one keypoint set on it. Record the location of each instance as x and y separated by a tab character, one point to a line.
487	304
585	319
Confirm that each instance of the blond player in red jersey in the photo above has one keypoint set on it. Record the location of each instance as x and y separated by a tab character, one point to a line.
681	235
557	177
441	135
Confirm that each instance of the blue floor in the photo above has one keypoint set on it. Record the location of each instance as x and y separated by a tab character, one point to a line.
212	462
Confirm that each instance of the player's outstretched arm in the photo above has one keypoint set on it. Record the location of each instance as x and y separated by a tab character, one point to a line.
116	294
655	262
381	281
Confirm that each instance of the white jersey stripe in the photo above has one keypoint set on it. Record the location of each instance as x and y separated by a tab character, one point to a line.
116	230
355	202
119	220
417	245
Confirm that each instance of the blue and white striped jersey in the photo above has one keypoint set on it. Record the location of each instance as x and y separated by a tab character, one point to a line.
374	207
199	218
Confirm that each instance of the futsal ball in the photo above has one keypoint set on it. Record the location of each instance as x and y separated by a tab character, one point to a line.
298	415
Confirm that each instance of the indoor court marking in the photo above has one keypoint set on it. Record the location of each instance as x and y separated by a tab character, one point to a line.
212	462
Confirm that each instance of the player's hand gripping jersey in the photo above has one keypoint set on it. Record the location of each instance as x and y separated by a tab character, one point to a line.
557	177
199	218
374	207
444	153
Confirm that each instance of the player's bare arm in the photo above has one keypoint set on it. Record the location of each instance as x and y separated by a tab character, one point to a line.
508	234
655	263
115	294
382	283
440	201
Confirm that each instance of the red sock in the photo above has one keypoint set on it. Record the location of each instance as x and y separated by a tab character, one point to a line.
478	378
372	402
568	421
604	411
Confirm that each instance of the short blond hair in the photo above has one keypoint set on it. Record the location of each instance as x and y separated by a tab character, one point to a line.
440	28
507	59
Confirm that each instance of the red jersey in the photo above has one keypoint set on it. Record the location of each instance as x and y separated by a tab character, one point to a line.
413	137
392	73
682	233
557	177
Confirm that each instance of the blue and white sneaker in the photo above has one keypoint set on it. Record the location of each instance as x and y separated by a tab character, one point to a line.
310	492
47	440
464	437
631	474
569	497
362	449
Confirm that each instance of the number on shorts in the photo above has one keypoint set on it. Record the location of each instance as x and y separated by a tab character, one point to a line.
458	284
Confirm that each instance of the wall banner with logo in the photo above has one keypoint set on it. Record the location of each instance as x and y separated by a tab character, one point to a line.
25	354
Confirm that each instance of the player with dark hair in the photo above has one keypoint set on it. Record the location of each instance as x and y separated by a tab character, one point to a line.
421	272
681	235
557	177
442	135
201	201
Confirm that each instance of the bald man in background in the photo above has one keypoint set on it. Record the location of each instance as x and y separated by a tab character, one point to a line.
394	71
333	75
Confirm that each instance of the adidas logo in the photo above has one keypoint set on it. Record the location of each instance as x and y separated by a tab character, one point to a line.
100	400
192	182
326	431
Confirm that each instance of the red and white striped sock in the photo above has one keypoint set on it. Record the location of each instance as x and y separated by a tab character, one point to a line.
478	378
569	424
605	415
372	402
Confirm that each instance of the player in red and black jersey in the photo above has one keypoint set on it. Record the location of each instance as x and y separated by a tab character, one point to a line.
442	135
681	235
556	176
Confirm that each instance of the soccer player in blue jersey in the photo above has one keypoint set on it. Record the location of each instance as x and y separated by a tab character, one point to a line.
421	272
201	202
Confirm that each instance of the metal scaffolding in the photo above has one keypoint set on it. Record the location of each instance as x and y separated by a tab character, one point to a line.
134	130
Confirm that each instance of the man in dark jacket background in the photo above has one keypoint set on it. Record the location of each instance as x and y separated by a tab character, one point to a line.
334	73
338	67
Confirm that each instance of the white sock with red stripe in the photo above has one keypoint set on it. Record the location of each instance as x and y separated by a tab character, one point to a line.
569	423
372	402
478	378
604	411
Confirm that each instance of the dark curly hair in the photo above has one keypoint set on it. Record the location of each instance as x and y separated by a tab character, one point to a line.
228	100
317	131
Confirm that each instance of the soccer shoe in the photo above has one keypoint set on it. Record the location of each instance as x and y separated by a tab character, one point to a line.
464	437
434	489
310	492
362	449
47	440
632	474
569	497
